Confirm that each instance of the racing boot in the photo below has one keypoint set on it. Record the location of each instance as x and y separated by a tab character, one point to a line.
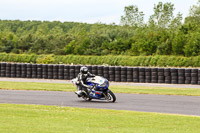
79	93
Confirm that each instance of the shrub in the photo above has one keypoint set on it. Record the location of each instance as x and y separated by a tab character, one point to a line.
46	59
119	60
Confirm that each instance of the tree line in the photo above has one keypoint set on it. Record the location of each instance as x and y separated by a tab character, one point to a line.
165	33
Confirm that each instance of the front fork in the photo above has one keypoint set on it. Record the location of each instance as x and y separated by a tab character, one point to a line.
105	93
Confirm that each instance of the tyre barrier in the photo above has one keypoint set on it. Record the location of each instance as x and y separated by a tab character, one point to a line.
123	74
112	73
99	70
105	72
154	75
117	74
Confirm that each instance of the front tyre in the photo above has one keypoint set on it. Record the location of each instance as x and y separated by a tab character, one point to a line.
110	96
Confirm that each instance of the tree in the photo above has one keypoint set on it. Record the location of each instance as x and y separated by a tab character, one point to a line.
195	10
178	43
132	16
193	20
163	15
192	31
69	49
176	22
7	42
26	42
192	48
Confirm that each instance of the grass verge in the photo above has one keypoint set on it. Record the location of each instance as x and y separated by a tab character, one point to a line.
54	119
116	89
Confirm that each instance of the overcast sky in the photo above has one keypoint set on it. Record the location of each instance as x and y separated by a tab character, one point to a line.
89	11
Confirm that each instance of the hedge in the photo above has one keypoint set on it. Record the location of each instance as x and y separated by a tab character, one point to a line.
111	60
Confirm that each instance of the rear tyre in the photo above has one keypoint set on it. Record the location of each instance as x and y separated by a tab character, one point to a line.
110	96
86	98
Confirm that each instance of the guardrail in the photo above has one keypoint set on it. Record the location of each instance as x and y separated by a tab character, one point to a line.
112	73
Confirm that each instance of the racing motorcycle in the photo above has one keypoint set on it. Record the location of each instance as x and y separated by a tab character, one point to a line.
100	89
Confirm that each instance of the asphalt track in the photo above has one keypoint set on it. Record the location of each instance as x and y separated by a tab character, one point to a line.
111	83
186	105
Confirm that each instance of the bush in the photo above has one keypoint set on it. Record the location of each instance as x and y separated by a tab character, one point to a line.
46	59
145	61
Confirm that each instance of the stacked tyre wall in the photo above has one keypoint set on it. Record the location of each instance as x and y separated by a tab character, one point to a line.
112	73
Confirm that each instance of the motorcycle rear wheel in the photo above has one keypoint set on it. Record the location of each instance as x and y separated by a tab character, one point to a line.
86	98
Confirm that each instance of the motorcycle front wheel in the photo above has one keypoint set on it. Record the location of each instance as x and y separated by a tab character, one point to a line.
110	96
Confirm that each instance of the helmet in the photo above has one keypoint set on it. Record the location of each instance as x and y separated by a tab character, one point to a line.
84	70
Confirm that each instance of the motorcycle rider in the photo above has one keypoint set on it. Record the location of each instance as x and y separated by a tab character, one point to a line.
82	77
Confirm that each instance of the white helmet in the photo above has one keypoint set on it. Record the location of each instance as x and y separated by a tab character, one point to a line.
84	70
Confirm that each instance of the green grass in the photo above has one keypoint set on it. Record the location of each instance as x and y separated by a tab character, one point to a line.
116	89
54	119
36	86
156	90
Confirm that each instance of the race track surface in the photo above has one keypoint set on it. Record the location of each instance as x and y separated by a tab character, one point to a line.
111	83
187	105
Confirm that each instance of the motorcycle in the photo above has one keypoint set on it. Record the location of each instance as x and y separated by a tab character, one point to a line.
100	89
